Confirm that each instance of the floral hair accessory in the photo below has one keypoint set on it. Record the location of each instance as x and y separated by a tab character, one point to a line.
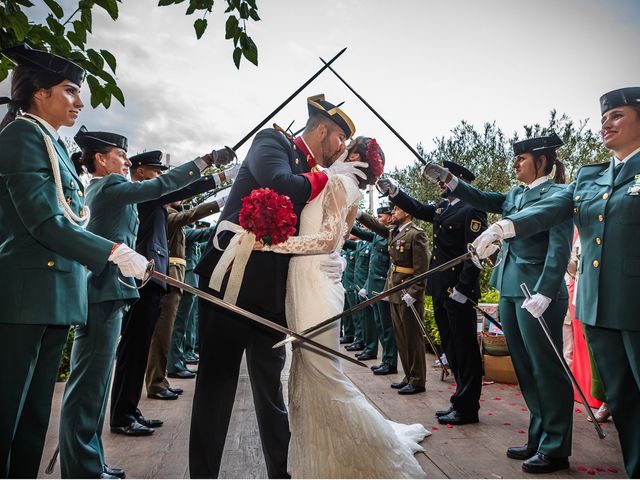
372	155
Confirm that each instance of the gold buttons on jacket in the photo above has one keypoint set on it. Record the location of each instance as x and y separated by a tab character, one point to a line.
575	210
600	218
50	263
191	173
80	194
577	197
598	240
72	184
605	196
596	263
434	257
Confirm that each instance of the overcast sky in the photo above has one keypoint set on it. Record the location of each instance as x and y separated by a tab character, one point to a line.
424	65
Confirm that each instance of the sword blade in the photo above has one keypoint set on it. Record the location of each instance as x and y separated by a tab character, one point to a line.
252	316
380	296
563	362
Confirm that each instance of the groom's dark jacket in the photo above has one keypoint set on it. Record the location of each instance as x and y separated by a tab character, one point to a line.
277	162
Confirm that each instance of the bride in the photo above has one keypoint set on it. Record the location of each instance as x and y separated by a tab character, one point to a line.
335	431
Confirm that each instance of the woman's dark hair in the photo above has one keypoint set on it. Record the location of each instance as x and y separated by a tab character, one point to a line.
367	148
552	160
25	81
85	159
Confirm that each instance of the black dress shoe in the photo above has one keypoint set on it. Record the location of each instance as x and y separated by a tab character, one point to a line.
354	347
134	429
442	413
163	395
455	418
399	385
385	370
375	367
366	356
541	463
520	453
177	391
191	361
106	475
149	422
182	374
114	472
410	390
344	340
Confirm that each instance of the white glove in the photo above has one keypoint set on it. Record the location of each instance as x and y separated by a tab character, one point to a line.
536	305
363	293
435	173
457	296
343	156
408	299
227	175
129	262
358	214
221	198
486	243
332	266
349	169
388	185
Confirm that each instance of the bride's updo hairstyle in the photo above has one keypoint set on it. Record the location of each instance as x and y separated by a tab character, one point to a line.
371	153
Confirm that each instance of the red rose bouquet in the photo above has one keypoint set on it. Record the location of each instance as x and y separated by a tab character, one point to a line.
268	215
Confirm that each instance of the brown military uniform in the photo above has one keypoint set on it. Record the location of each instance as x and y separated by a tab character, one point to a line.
409	253
155	377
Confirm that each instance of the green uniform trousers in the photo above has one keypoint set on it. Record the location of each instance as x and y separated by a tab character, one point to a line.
410	342
347	326
87	391
356	318
29	361
369	331
382	317
176	363
191	336
545	386
617	353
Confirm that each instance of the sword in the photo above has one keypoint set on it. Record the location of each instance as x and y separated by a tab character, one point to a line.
583	399
247	314
376	298
445	370
417	155
480	310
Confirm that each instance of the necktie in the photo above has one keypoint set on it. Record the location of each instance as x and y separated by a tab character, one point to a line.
616	169
522	194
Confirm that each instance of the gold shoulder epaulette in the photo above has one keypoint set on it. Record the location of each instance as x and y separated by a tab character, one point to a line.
283	131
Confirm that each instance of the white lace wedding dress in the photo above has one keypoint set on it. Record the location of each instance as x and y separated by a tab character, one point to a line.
335	431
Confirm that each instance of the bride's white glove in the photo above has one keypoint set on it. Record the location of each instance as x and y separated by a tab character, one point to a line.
129	262
408	299
536	305
487	243
350	169
332	265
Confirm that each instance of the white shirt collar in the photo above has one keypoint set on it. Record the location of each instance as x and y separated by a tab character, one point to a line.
404	226
54	133
617	161
537	181
453	202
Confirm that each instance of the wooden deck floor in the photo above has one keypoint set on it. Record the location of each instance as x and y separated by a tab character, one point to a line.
469	451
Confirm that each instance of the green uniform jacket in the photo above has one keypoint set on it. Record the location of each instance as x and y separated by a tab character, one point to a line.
540	260
194	236
349	271
408	249
42	253
379	261
607	215
114	215
361	271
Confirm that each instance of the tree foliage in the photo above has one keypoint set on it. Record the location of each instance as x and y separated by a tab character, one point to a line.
65	33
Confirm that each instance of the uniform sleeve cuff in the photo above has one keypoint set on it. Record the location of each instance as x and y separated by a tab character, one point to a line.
201	164
318	181
453	183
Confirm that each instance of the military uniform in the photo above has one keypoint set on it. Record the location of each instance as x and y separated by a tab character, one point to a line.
539	261
409	254
112	200
455	225
191	336
365	316
349	328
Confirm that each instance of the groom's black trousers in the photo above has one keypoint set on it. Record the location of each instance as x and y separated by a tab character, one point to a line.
224	337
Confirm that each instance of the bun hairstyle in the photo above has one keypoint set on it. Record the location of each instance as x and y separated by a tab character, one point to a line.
85	159
371	153
552	165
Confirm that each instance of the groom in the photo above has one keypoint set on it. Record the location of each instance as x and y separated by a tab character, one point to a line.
288	166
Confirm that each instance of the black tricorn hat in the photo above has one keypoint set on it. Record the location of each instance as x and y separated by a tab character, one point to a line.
318	105
384	209
85	138
459	171
148	159
537	144
24	55
629	96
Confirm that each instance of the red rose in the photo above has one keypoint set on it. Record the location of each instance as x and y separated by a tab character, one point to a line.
268	215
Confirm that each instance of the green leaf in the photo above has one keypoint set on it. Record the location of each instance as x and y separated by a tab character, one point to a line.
244	11
200	25
25	3
55	26
251	51
164	3
80	30
252	4
230	27
106	101
105	76
243	40
237	55
192	8
85	17
57	10
97	92
19	24
116	92
111	6
95	58
253	13
110	59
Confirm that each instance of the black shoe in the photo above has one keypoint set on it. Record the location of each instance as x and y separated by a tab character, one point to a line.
177	391
106	475
385	370
399	385
520	453
354	347
442	413
455	418
182	374
366	356
134	429
410	390
541	463
149	422
114	472
375	367
163	395
344	340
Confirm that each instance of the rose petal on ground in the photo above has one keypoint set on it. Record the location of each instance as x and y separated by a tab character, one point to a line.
582	468
613	469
